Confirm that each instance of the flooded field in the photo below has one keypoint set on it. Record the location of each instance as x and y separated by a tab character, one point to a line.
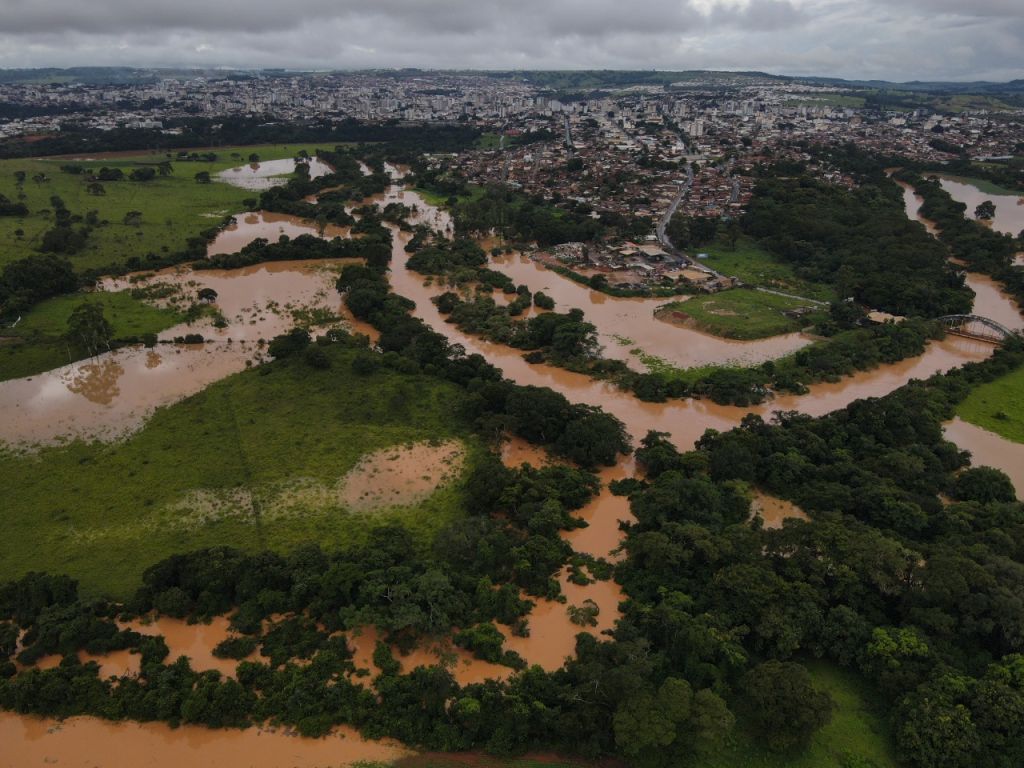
1009	217
246	227
270	173
111	395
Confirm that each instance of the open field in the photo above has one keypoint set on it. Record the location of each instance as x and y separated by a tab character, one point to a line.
253	462
740	313
36	344
998	406
828	100
174	208
857	736
755	266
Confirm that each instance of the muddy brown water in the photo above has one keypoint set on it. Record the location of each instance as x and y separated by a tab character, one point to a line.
112	394
989	449
1009	217
990	300
85	742
627	324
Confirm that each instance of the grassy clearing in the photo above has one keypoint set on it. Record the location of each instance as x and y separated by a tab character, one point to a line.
998	406
755	266
249	462
827	100
36	344
476	760
741	313
857	731
174	208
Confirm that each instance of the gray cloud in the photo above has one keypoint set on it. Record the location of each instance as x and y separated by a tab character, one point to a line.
890	39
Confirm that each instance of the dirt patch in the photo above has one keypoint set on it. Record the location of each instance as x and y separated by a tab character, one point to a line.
773	510
401	475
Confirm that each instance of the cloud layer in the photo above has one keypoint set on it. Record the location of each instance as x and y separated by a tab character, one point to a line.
886	39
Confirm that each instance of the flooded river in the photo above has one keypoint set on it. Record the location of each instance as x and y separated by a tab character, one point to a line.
86	742
1009	217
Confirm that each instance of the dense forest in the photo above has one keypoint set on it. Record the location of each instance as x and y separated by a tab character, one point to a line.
860	241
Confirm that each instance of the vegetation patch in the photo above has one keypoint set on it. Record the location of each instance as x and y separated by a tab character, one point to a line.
755	266
740	314
39	341
227	452
998	406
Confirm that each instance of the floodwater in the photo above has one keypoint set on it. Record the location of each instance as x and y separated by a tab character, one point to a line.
246	227
113	394
86	742
989	449
1009	217
625	324
267	174
990	300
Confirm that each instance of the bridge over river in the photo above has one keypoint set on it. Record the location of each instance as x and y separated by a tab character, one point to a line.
977	327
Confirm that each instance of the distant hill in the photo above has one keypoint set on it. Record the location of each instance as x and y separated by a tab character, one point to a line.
559	80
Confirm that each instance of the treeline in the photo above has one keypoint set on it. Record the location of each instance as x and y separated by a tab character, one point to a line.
407	141
859	241
373	249
979	247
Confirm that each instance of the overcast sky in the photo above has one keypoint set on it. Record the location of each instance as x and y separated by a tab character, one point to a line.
886	39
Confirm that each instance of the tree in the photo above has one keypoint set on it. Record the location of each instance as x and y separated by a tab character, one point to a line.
165	168
203	177
207	295
254	158
983	484
88	327
133	218
985	210
732	233
786	708
669	726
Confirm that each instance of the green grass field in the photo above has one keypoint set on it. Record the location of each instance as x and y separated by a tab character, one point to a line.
755	266
174	208
35	344
857	730
741	313
998	406
103	512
